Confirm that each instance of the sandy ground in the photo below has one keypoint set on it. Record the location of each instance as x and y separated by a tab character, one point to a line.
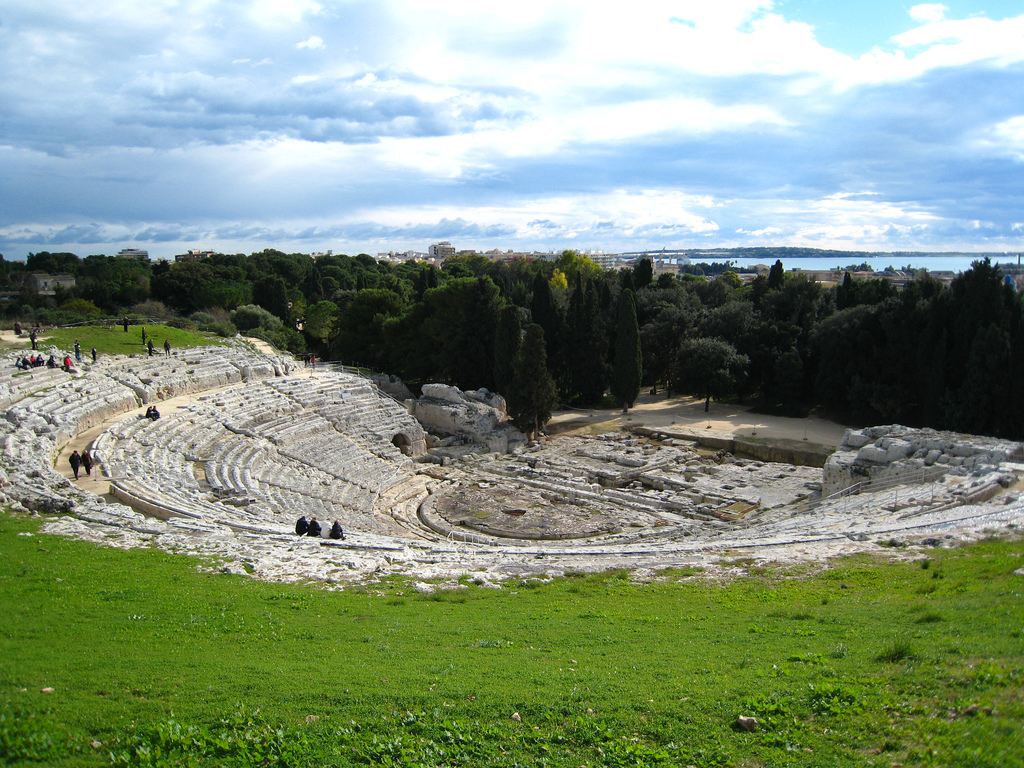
687	413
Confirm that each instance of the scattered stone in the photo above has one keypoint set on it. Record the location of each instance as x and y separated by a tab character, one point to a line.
746	723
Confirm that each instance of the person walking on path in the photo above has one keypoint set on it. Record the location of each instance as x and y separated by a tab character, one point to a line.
150	347
167	346
87	463
75	461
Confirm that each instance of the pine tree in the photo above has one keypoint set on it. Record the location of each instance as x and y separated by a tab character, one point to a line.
627	368
533	395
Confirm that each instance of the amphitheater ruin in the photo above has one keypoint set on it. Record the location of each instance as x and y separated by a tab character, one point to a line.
255	442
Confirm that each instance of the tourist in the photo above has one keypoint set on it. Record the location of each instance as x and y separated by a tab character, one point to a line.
336	532
87	463
125	321
75	461
152	413
52	362
17	328
150	347
314	528
143	335
32	337
167	347
78	351
301	526
94	354
67	363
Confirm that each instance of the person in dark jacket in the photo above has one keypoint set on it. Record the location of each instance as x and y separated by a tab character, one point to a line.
75	461
87	463
336	532
301	526
314	528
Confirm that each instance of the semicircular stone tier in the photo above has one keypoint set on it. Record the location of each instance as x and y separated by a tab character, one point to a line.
251	446
257	456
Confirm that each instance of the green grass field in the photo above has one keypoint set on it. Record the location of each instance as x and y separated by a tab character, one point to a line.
114	341
159	659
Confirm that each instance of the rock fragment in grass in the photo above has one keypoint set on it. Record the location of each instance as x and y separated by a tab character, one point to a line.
746	723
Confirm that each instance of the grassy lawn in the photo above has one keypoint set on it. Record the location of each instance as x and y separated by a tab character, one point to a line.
114	341
162	662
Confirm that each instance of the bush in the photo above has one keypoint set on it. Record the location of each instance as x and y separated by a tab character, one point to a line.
223	328
82	307
152	309
251	316
205	318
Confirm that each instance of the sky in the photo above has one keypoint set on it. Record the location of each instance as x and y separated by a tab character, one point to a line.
369	126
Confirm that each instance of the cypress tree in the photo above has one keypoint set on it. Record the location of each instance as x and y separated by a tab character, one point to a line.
533	395
643	274
627	369
507	341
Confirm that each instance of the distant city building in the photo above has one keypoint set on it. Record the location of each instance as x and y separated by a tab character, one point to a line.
441	251
193	255
133	253
48	284
402	256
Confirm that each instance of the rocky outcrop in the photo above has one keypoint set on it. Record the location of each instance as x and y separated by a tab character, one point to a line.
474	417
896	452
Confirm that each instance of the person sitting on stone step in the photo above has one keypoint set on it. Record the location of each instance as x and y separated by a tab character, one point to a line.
336	532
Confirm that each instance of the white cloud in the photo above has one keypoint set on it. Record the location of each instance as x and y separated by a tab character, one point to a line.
543	119
928	12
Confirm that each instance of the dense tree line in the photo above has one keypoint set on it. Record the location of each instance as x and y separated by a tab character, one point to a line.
949	357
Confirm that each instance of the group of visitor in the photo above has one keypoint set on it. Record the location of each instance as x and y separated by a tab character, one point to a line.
83	461
36	361
304	527
152	413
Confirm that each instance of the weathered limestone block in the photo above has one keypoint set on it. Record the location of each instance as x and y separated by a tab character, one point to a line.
448	411
892	452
